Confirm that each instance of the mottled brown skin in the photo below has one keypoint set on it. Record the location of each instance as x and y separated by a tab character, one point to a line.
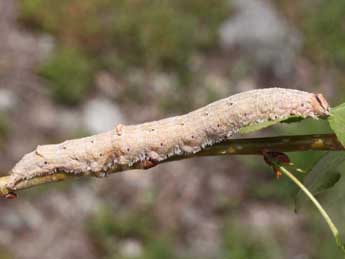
144	145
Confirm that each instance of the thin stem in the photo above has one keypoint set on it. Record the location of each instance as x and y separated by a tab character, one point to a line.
324	214
254	146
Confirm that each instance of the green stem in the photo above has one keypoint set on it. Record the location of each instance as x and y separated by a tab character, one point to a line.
324	214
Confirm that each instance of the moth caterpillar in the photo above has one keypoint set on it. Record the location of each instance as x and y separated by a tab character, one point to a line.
143	145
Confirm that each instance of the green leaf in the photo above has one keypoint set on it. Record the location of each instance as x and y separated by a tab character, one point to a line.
261	125
332	178
337	122
323	175
318	206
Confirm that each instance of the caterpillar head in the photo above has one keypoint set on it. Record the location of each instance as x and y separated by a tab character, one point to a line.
320	105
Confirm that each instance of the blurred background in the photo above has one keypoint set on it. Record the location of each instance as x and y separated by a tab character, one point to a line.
74	68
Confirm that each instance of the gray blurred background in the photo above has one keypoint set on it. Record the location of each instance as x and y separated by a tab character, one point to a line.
74	68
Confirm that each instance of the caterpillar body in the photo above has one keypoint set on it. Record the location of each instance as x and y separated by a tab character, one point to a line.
143	145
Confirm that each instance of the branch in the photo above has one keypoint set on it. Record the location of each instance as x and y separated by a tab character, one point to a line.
247	146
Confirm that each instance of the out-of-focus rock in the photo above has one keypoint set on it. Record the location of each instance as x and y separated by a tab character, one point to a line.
8	100
258	29
100	115
131	248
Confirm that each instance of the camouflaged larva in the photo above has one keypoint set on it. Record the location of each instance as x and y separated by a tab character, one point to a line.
142	146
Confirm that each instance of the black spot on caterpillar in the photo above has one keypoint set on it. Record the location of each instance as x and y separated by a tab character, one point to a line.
139	146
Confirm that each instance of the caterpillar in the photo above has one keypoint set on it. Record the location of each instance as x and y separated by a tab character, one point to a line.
144	145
